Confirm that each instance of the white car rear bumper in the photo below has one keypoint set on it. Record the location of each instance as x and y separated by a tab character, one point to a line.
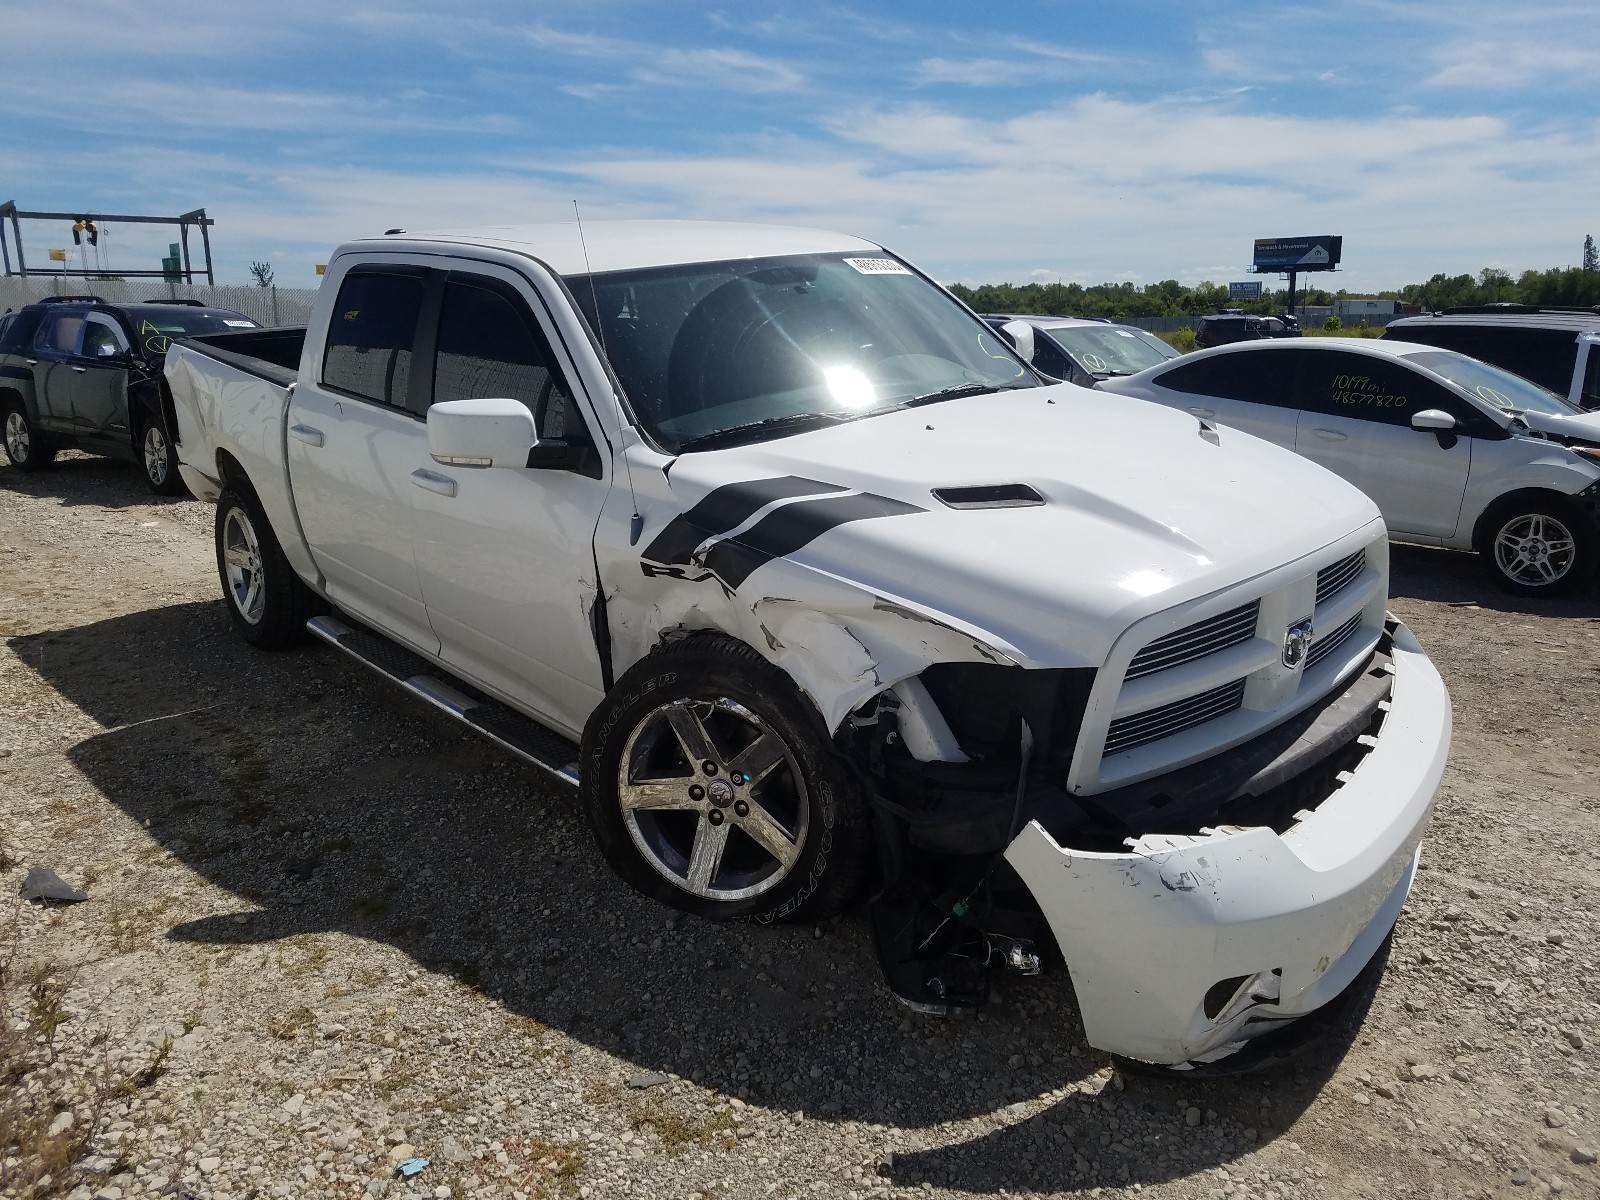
1289	919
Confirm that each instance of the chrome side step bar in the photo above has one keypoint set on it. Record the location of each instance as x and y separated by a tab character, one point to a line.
489	719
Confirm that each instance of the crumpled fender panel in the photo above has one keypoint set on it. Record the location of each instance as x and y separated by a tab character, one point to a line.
733	561
1293	918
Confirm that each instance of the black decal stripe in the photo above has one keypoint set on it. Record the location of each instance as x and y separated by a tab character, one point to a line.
10	372
785	530
726	508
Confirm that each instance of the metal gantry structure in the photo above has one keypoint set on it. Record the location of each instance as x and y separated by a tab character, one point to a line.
11	216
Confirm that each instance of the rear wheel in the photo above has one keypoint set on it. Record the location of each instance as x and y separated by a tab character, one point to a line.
24	450
159	458
712	786
1539	545
266	599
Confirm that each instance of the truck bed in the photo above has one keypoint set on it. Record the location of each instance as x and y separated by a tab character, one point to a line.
272	354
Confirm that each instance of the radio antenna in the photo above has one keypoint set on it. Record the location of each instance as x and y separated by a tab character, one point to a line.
636	526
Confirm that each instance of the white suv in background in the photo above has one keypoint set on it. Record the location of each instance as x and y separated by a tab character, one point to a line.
1454	452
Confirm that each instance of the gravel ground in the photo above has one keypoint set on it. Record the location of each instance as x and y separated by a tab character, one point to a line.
327	932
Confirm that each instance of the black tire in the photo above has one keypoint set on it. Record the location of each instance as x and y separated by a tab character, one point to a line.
1538	544
24	449
158	460
736	699
267	601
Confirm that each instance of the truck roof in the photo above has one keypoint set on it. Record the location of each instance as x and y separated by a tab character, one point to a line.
631	245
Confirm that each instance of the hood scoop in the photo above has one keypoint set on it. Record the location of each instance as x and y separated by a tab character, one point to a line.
1000	495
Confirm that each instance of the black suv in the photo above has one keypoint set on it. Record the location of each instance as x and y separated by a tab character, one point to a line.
1553	347
78	373
1221	328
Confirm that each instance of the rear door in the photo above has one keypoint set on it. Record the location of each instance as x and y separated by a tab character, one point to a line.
355	436
506	556
1250	389
1355	419
54	355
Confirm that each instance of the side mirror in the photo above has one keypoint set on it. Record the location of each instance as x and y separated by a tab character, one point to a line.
481	433
1433	420
1021	335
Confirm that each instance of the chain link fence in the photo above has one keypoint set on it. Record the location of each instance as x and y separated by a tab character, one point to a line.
269	305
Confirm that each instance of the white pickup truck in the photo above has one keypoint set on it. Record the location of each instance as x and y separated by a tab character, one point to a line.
817	592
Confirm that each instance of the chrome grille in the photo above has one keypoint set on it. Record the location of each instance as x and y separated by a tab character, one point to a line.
1335	576
1196	641
1325	644
1139	729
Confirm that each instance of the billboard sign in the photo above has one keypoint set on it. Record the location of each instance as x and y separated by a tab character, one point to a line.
1297	254
1250	290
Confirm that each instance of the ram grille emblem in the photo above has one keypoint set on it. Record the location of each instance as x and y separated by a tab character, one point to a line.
1296	642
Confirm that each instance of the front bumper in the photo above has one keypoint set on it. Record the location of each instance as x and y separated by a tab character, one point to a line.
1185	947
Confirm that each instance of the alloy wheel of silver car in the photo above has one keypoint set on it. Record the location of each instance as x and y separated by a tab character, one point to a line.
713	799
1535	550
18	440
241	552
155	455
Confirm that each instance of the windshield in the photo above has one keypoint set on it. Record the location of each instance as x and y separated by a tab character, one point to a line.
1502	389
1107	350
772	345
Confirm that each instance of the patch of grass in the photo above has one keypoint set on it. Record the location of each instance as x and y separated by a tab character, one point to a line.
551	1168
313	955
677	1132
292	1024
1181	340
390	1085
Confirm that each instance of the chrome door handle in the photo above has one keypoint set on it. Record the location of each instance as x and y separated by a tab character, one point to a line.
432	481
80	370
32	362
1331	435
306	434
1204	412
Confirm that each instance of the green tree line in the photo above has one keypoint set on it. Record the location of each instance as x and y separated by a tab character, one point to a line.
1169	298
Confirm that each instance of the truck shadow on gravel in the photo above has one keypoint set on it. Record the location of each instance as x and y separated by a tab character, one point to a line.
329	804
1451	577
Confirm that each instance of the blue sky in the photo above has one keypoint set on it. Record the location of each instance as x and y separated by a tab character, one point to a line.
1041	139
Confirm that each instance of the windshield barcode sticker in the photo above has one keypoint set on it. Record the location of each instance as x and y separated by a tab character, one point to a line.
238	324
877	266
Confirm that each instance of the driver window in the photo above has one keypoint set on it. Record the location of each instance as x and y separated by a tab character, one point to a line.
102	338
489	349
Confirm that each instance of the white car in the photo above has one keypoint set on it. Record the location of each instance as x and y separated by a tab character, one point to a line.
1454	451
812	588
1081	349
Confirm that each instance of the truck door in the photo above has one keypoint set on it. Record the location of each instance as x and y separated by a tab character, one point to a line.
98	380
506	556
352	445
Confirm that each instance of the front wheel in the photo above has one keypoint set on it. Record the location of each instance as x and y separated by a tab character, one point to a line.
711	785
24	450
266	599
1540	546
160	460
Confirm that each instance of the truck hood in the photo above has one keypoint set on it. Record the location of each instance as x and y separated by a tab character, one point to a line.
1134	507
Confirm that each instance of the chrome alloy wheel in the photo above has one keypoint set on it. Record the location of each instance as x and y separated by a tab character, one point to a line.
155	455
713	799
18	441
241	555
1535	550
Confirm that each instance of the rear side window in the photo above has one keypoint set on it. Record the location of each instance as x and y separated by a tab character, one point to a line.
371	336
18	332
1258	377
489	348
1589	395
